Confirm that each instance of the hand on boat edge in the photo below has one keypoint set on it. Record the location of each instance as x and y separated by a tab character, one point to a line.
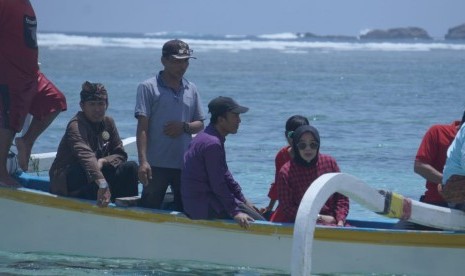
243	220
103	197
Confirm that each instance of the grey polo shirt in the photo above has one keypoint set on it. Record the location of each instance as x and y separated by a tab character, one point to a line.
161	104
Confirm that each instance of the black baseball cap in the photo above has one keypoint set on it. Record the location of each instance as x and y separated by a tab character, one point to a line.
221	105
177	48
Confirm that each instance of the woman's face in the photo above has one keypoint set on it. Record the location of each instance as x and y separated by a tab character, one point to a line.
307	146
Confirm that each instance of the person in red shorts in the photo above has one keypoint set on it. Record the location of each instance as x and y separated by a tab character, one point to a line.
48	103
18	74
21	84
282	157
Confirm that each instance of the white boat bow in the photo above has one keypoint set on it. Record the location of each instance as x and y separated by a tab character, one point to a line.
385	203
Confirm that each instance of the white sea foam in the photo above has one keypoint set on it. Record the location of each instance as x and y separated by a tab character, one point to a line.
364	31
279	36
232	36
156	34
207	44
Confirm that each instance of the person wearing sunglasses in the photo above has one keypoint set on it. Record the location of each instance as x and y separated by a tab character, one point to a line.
294	178
283	156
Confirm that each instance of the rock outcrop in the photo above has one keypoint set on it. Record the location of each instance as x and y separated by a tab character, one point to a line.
457	32
397	33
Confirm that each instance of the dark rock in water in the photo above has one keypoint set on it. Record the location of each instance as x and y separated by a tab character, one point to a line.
457	32
397	33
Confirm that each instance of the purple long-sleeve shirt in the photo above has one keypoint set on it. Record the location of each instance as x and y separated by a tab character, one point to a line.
206	182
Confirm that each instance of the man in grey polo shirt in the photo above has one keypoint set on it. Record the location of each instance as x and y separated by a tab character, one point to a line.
168	112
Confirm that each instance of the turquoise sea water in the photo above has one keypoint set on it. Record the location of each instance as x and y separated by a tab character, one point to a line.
371	101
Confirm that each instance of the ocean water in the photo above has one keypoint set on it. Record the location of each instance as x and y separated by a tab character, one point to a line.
371	102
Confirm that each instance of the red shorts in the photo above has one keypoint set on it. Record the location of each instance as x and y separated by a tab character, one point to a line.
39	98
48	100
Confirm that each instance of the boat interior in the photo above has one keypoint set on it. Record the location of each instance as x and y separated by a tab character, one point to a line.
40	182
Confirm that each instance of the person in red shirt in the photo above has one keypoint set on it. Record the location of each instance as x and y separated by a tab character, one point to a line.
283	156
296	176
18	74
23	88
431	157
429	163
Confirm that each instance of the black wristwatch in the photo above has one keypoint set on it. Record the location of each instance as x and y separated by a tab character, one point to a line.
186	128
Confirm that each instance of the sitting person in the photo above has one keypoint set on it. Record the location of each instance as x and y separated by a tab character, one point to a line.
91	162
208	189
283	156
431	157
453	181
429	163
297	175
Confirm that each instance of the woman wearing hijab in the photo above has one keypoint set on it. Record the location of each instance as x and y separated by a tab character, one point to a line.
282	157
296	176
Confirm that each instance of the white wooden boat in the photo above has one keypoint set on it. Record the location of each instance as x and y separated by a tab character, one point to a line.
35	221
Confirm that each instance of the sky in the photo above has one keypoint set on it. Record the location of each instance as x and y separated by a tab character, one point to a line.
248	17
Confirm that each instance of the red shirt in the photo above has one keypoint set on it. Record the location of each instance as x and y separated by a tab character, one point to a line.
433	151
293	181
282	157
18	42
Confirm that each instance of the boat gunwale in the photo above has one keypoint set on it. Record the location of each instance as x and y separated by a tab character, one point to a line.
36	197
362	235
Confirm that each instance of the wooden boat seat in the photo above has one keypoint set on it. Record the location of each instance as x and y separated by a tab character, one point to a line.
134	201
130	201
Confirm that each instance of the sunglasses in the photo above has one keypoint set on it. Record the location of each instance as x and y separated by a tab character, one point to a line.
303	145
179	60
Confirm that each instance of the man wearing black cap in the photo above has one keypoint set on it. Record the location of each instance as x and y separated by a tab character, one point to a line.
168	112
91	162
208	188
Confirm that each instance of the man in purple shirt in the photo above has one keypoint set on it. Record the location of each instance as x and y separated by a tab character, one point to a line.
208	188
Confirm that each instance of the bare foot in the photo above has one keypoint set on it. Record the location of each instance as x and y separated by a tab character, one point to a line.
9	182
24	153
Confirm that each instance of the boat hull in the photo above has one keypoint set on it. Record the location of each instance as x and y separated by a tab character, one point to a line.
39	222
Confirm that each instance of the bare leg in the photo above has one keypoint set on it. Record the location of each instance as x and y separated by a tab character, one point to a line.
6	137
24	144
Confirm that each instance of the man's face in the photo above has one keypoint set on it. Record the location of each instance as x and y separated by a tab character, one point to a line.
229	123
175	67
94	110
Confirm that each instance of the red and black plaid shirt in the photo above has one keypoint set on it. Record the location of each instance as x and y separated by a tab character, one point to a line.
293	181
